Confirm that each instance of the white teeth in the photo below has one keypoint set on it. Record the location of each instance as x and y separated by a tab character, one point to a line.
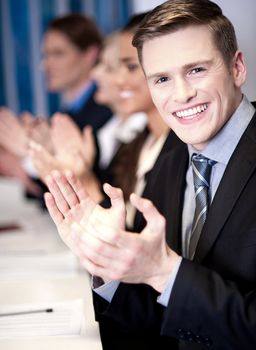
126	94
191	112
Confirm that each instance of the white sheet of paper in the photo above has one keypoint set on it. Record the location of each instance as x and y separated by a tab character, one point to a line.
27	265
67	318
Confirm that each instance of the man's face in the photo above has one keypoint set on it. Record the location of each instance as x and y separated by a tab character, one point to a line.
65	66
191	85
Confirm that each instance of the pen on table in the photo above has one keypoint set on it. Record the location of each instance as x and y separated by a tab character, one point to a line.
26	312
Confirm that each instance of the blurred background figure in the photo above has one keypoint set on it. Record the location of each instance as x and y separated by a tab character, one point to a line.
71	47
122	127
133	162
13	149
134	139
23	24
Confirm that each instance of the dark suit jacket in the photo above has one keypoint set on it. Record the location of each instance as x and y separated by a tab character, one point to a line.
117	336
213	301
91	113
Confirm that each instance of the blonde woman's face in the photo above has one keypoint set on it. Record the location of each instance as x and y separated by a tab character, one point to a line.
104	75
134	95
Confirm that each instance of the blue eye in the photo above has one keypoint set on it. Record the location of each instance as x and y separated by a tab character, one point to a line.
196	70
162	80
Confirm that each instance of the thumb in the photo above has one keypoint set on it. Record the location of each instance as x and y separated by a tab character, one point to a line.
87	133
115	195
117	203
155	221
89	145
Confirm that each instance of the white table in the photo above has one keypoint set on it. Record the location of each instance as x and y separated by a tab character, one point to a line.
39	232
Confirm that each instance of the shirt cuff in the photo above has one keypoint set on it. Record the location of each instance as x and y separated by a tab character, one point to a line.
104	290
29	168
164	298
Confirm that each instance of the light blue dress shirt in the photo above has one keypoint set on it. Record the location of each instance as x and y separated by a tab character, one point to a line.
75	105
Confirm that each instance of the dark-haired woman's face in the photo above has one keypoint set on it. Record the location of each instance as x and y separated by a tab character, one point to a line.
65	66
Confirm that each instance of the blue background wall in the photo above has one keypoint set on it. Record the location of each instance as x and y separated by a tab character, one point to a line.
22	24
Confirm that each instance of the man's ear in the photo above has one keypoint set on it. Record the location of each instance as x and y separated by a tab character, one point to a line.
239	69
91	55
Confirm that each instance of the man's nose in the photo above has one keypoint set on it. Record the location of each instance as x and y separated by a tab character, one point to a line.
183	91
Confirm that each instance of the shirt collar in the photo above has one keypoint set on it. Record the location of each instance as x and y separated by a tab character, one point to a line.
129	128
79	101
227	139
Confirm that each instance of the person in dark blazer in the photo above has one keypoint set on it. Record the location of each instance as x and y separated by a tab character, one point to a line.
71	46
90	113
70	50
192	296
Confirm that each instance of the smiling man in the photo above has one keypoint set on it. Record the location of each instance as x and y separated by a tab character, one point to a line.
190	275
197	89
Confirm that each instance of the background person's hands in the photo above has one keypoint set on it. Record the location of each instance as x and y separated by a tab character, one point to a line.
13	135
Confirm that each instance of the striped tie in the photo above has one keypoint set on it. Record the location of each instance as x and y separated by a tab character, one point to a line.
202	168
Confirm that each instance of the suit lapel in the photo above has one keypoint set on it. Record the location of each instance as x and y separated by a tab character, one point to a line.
240	168
174	194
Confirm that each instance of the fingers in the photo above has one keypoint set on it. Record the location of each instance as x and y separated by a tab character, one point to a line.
63	124
63	193
93	269
155	221
87	132
115	194
66	188
104	272
26	117
43	161
70	197
118	205
56	215
109	236
101	258
96	249
37	150
76	185
89	145
60	200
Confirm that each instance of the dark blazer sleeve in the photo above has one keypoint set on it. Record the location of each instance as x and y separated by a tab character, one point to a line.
131	320
207	309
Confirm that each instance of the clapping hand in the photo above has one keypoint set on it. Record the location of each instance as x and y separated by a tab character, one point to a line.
98	236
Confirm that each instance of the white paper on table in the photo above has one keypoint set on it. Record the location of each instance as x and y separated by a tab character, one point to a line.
21	266
23	243
67	318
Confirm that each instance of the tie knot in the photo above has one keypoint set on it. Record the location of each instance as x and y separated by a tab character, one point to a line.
202	168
